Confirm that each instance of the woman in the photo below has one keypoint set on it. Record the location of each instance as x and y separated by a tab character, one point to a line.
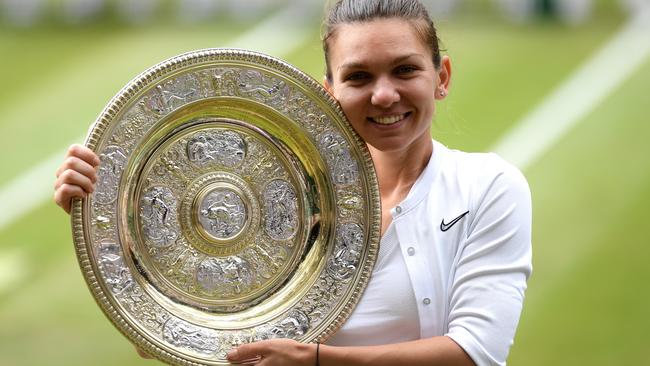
455	252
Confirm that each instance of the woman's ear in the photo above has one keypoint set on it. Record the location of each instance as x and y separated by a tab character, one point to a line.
444	78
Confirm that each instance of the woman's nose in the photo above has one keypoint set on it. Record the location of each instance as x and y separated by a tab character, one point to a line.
384	93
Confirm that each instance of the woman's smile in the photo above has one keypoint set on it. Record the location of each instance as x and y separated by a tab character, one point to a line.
389	120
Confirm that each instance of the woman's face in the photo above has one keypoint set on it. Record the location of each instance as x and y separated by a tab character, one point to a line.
384	78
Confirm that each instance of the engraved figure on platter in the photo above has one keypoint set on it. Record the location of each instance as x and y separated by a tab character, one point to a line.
254	84
189	336
159	210
153	316
113	159
153	101
294	325
199	149
178	91
230	147
112	265
172	94
133	126
236	272
225	81
224	147
281	210
158	215
316	122
262	270
224	213
347	252
344	169
299	106
224	276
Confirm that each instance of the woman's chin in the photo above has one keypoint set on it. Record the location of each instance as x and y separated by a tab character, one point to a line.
396	144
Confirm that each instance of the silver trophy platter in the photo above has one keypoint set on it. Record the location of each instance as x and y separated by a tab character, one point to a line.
234	204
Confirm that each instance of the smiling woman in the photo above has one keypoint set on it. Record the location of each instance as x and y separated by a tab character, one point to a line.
385	78
455	254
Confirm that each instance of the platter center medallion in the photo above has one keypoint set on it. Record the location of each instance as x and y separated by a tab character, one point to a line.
222	213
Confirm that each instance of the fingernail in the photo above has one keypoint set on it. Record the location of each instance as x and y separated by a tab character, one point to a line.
232	353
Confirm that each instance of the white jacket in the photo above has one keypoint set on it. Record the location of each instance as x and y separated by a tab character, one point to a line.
467	276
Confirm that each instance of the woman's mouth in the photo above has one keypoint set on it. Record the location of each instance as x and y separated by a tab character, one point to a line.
388	120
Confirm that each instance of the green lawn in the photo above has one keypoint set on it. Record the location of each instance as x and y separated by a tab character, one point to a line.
586	303
588	300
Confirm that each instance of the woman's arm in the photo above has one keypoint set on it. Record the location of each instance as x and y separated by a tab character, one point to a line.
492	265
284	352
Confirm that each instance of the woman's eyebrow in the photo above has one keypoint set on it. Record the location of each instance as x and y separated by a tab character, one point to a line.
352	65
398	60
401	59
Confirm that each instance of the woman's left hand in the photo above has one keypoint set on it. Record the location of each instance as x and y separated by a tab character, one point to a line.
280	352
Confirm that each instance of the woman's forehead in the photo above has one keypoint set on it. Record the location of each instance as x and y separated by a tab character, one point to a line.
391	38
377	24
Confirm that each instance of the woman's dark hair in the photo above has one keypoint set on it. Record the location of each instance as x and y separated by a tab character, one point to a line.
356	11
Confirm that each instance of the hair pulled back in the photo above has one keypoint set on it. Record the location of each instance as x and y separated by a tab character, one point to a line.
358	11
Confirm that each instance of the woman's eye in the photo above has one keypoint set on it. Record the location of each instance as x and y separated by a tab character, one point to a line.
357	76
405	69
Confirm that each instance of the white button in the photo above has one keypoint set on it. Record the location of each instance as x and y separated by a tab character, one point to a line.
426	301
398	209
411	251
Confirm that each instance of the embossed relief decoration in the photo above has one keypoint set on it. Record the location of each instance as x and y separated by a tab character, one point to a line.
213	229
234	204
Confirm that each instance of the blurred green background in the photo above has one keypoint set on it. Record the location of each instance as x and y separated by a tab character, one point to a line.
588	300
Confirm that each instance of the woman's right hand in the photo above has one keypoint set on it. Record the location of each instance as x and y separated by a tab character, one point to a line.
76	177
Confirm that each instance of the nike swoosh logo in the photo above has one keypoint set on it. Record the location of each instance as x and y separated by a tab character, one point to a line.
445	227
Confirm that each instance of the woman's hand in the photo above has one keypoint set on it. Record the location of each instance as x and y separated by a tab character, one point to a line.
280	352
76	177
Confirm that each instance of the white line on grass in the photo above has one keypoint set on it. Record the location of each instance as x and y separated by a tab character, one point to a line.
279	35
614	63
23	194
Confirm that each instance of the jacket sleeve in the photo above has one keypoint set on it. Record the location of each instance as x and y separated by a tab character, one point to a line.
492	265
